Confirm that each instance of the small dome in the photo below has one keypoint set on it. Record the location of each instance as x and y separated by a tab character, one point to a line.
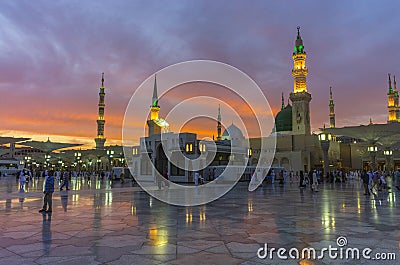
283	120
232	132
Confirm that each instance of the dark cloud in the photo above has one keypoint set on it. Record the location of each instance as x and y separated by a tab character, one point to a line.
53	52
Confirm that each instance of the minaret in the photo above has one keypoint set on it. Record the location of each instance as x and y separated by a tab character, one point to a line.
396	99
100	140
155	108
391	103
154	128
300	97
283	102
219	124
331	110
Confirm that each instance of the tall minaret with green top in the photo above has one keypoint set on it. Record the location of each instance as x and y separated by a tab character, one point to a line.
300	97
392	117
100	139
396	99
331	110
153	124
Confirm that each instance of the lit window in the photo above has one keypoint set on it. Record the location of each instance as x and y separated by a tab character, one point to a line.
202	147
189	148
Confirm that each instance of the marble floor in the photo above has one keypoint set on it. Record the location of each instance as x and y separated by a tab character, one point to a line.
96	224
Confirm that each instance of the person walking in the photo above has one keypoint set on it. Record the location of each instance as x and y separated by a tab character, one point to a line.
48	193
122	177
397	179
272	176
302	180
65	181
314	186
375	182
281	177
365	180
22	180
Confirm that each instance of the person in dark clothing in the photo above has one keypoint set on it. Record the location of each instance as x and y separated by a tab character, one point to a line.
281	177
365	179
301	184
48	193
65	181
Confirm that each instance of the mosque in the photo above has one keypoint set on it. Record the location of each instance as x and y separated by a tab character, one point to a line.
297	148
151	150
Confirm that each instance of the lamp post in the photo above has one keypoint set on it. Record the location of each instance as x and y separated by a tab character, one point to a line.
98	163
372	149
47	159
249	155
78	156
28	161
90	164
324	139
388	155
110	154
60	164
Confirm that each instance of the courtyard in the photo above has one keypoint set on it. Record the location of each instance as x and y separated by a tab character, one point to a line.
94	223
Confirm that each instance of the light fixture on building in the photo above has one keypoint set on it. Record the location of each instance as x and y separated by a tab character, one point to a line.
249	152
372	148
387	152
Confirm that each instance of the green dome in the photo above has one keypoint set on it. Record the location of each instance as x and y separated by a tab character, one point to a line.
283	120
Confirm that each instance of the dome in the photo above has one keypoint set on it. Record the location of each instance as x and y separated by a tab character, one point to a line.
283	120
232	132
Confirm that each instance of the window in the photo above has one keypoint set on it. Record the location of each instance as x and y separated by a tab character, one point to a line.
202	147
189	148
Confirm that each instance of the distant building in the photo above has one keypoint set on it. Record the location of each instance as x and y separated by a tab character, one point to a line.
184	149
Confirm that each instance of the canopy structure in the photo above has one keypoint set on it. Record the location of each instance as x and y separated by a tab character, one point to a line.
385	135
4	151
87	154
381	134
11	140
49	146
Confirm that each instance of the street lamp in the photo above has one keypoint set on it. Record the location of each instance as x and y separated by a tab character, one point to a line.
388	155
78	156
249	154
373	149
98	163
60	164
325	140
110	154
28	161
90	164
47	159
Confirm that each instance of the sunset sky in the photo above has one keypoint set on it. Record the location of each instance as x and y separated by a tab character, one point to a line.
52	54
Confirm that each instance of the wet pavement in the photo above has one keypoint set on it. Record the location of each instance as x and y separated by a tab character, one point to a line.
95	224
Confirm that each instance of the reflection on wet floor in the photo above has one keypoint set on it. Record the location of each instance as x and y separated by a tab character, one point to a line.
95	224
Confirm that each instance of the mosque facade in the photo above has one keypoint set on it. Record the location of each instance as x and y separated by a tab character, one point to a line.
296	147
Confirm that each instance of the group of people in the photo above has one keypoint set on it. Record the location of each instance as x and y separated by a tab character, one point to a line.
314	180
24	176
374	181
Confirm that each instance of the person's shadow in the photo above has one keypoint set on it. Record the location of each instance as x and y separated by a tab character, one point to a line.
22	197
46	233
64	200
